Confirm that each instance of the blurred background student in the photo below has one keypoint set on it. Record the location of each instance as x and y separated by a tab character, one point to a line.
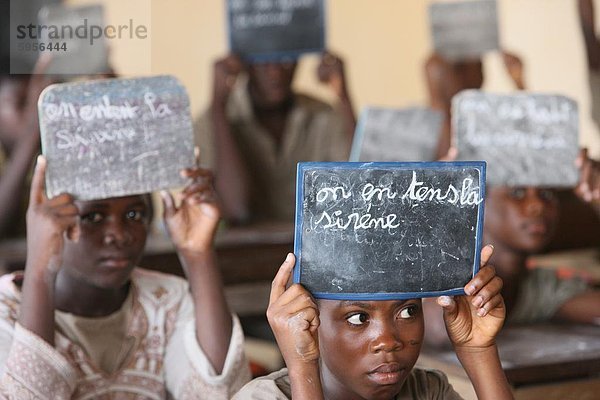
258	128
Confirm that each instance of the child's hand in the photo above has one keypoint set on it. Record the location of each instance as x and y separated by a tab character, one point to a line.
474	320
192	224
588	188
514	67
226	71
294	318
331	72
48	220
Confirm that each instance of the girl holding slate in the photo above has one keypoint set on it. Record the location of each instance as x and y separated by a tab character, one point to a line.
366	350
83	322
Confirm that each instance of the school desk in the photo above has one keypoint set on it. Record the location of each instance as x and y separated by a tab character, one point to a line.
250	256
542	361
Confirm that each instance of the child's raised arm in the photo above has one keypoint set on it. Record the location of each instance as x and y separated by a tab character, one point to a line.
588	187
192	222
294	319
48	220
472	322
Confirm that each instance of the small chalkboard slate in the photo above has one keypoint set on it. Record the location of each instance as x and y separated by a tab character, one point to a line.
464	29
17	45
527	139
274	30
75	53
388	134
374	231
115	137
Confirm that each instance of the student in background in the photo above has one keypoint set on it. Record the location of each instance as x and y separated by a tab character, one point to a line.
592	47
446	78
257	128
521	222
366	350
19	142
83	321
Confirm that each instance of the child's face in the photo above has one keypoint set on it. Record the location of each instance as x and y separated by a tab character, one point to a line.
521	218
368	348
112	238
271	83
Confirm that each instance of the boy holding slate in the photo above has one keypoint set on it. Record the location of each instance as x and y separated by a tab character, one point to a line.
258	128
445	78
367	349
96	325
82	312
462	32
521	221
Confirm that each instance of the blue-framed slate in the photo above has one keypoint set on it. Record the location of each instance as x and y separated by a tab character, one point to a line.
72	54
275	30
393	134
464	29
527	139
115	137
374	231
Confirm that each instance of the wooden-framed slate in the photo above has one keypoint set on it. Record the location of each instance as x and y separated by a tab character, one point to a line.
527	139
275	30
464	29
115	137
375	231
393	134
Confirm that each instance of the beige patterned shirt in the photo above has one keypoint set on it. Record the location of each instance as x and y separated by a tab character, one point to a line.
164	360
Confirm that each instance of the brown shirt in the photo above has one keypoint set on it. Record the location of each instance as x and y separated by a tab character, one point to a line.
314	132
421	384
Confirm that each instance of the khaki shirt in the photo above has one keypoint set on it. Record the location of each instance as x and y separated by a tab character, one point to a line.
421	384
542	294
314	132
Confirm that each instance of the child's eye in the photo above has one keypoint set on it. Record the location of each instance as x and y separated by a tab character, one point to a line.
357	319
547	195
92	217
408	312
135	215
517	193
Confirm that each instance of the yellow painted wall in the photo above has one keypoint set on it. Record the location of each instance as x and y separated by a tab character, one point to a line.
384	43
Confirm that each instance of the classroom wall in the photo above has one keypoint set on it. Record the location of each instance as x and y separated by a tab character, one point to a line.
383	42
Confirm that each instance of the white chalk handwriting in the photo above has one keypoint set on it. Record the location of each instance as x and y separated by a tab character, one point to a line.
465	194
335	220
67	140
104	109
